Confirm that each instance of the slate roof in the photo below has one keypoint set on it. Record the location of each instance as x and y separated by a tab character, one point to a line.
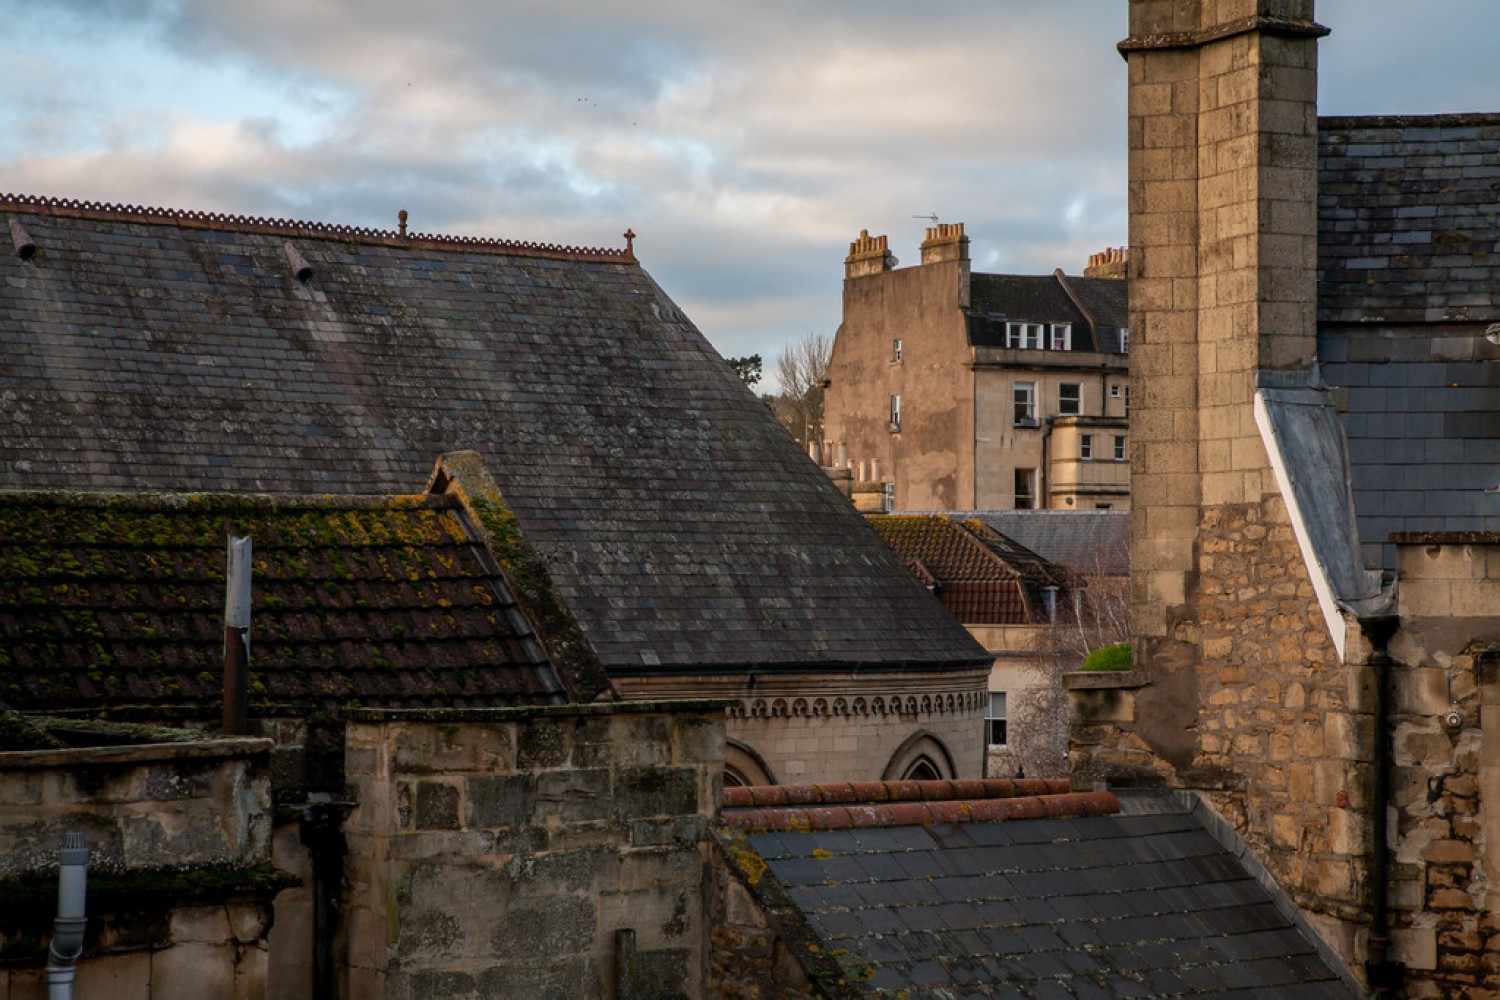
1153	901
112	602
980	576
1407	219
1409	281
1084	541
681	525
995	298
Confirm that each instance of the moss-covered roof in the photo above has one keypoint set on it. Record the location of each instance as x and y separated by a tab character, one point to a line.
679	524
108	601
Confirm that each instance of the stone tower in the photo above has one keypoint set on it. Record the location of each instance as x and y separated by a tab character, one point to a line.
1241	689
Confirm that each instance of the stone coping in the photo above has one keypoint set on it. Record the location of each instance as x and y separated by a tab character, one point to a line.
1096	680
512	714
225	748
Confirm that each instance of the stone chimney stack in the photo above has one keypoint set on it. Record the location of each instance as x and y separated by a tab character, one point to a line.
1222	263
945	241
868	255
1108	264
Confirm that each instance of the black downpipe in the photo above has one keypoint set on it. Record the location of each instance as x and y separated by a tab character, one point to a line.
1384	976
323	836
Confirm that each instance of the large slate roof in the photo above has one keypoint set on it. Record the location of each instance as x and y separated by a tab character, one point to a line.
110	602
1409	282
680	524
1153	901
1407	219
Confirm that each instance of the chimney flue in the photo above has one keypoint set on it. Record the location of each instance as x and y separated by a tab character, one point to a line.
25	245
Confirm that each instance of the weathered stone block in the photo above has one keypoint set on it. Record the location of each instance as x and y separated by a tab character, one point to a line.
543	743
501	801
645	792
432	936
544	925
436	806
573	796
200	923
193	970
556	872
115	977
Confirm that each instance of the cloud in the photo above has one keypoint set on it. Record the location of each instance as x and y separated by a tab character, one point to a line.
745	143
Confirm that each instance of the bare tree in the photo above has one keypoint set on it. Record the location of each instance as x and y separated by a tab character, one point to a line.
802	370
1100	611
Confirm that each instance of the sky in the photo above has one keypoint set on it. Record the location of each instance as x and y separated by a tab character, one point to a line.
745	143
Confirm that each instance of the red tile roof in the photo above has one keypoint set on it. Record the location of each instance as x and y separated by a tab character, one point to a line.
979	575
860	805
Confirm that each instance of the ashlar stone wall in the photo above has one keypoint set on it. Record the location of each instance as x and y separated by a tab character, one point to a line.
843	727
552	852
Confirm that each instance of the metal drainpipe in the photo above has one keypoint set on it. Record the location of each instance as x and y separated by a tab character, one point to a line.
67	929
1044	474
323	836
1384	976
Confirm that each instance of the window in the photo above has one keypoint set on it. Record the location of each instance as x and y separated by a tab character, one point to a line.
1086	446
1026	336
994	720
1024	395
1062	336
1114	391
1070	399
1127	400
1025	489
895	413
1119	448
1124	341
896	350
1102	506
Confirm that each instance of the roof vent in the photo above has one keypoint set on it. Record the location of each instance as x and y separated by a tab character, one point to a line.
300	267
401	222
25	245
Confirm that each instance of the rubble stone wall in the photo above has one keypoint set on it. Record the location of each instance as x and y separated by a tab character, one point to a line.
1445	784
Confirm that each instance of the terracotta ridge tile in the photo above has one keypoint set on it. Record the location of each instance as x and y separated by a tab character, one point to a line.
193	219
891	791
921	813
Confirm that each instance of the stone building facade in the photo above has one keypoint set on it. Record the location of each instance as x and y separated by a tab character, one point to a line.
1310	593
950	390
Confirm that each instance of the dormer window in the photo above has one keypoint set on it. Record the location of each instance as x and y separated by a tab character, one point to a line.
1062	336
1024	336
